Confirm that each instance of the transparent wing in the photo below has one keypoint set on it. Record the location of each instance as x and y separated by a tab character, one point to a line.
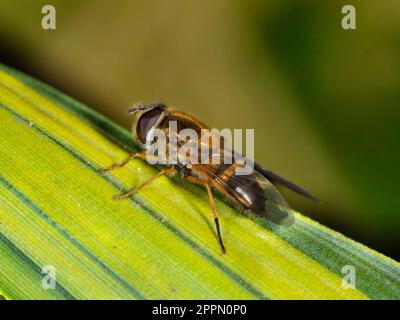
275	178
253	192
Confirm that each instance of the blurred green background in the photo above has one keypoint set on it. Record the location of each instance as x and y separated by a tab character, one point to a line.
324	101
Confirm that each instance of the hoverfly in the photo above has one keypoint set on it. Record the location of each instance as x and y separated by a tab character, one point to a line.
254	193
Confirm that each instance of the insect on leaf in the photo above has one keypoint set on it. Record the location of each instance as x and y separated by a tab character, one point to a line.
57	213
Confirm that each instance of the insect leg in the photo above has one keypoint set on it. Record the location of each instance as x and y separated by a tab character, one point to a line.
213	208
136	189
141	154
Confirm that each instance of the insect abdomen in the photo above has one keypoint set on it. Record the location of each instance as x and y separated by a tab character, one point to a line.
258	194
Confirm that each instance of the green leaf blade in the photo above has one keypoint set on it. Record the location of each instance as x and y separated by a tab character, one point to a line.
57	209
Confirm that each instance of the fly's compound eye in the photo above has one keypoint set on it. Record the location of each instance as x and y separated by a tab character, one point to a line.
147	121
